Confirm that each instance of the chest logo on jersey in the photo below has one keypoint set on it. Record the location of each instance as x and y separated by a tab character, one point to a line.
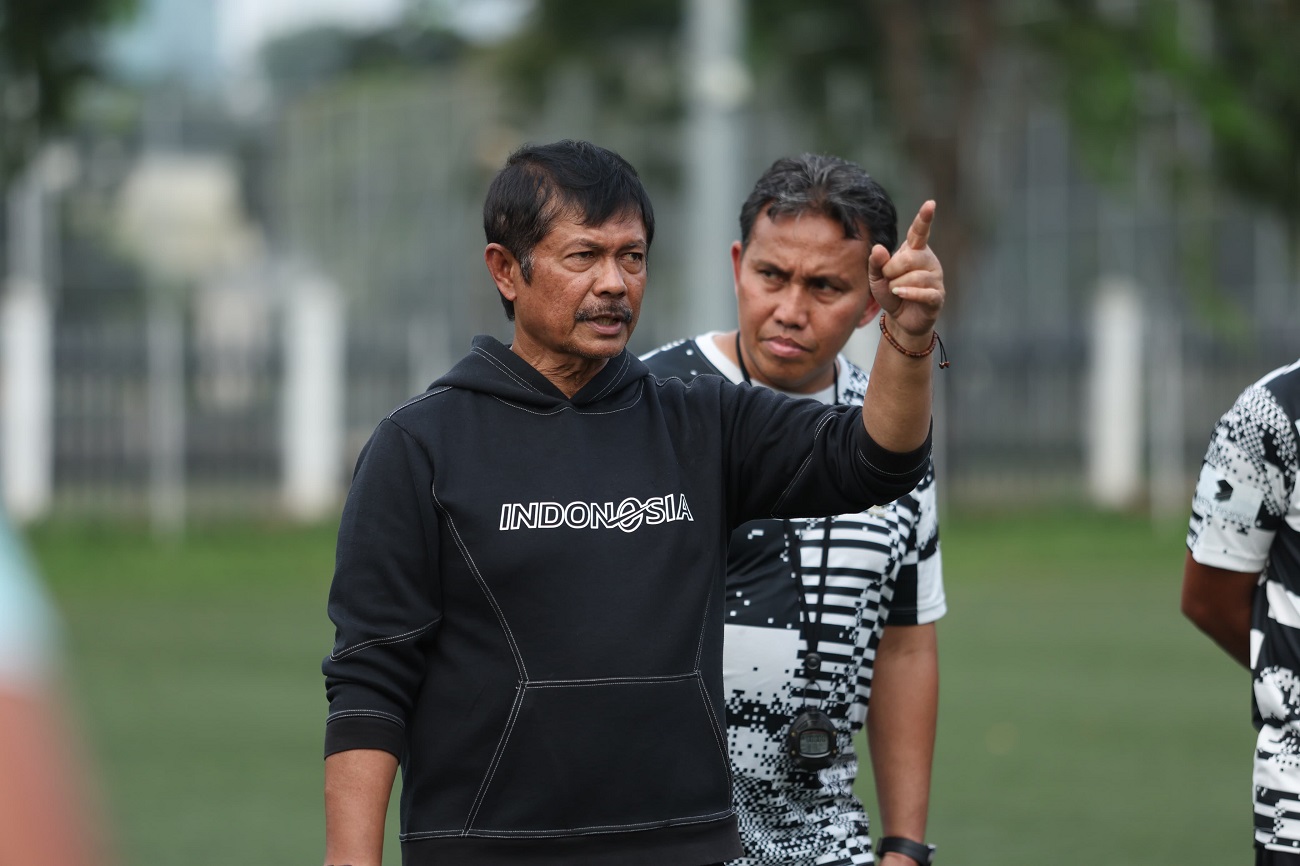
629	515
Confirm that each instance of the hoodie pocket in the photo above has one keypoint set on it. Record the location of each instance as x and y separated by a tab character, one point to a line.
606	755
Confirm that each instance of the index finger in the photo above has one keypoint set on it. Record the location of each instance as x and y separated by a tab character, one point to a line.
918	235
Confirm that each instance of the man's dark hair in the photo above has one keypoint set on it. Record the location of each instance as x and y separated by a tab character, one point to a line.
542	182
827	185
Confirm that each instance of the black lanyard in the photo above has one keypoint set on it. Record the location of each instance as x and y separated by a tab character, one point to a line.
809	620
808	625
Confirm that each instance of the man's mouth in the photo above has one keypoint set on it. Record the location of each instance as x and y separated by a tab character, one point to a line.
783	348
608	319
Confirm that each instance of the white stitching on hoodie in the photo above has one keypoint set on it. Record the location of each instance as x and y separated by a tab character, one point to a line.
348	713
577	831
418	397
558	409
397	638
478	576
504	369
486	784
821	425
617	377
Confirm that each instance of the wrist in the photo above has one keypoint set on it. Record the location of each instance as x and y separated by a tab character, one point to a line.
894	859
918	852
931	339
905	338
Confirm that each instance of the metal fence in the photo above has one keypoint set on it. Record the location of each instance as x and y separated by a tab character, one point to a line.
105	442
1011	413
379	190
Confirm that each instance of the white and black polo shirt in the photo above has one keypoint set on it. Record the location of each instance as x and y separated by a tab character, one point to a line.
1246	518
881	564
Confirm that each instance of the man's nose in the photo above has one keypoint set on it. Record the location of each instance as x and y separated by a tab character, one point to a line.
610	279
792	308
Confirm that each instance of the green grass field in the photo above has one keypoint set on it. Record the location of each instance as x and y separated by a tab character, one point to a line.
1083	721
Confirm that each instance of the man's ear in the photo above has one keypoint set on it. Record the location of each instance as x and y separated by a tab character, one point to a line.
871	312
504	268
737	253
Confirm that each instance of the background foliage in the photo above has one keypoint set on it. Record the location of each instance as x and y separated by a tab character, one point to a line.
47	51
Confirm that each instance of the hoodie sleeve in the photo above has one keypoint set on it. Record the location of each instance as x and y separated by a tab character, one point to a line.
800	458
385	599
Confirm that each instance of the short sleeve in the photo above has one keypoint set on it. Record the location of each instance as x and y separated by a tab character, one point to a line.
1245	485
918	593
931	604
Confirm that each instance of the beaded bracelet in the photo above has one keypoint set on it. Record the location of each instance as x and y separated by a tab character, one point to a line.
934	341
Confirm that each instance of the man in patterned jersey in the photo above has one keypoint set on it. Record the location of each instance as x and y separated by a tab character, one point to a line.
1241	585
869	584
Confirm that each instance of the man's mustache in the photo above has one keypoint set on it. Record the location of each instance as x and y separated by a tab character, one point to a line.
612	311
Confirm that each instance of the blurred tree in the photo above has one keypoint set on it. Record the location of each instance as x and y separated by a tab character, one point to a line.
929	62
1231	63
301	61
47	50
926	55
631	49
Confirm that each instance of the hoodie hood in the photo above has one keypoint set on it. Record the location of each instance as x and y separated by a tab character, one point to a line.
491	368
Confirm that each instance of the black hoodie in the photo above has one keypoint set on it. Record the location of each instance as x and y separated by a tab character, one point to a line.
527	598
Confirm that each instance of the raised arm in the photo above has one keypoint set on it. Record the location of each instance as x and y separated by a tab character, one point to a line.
909	287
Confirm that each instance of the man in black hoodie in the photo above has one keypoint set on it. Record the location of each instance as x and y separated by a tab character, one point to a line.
529	577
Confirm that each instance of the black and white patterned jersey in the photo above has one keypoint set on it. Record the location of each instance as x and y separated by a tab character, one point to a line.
1246	518
881	563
